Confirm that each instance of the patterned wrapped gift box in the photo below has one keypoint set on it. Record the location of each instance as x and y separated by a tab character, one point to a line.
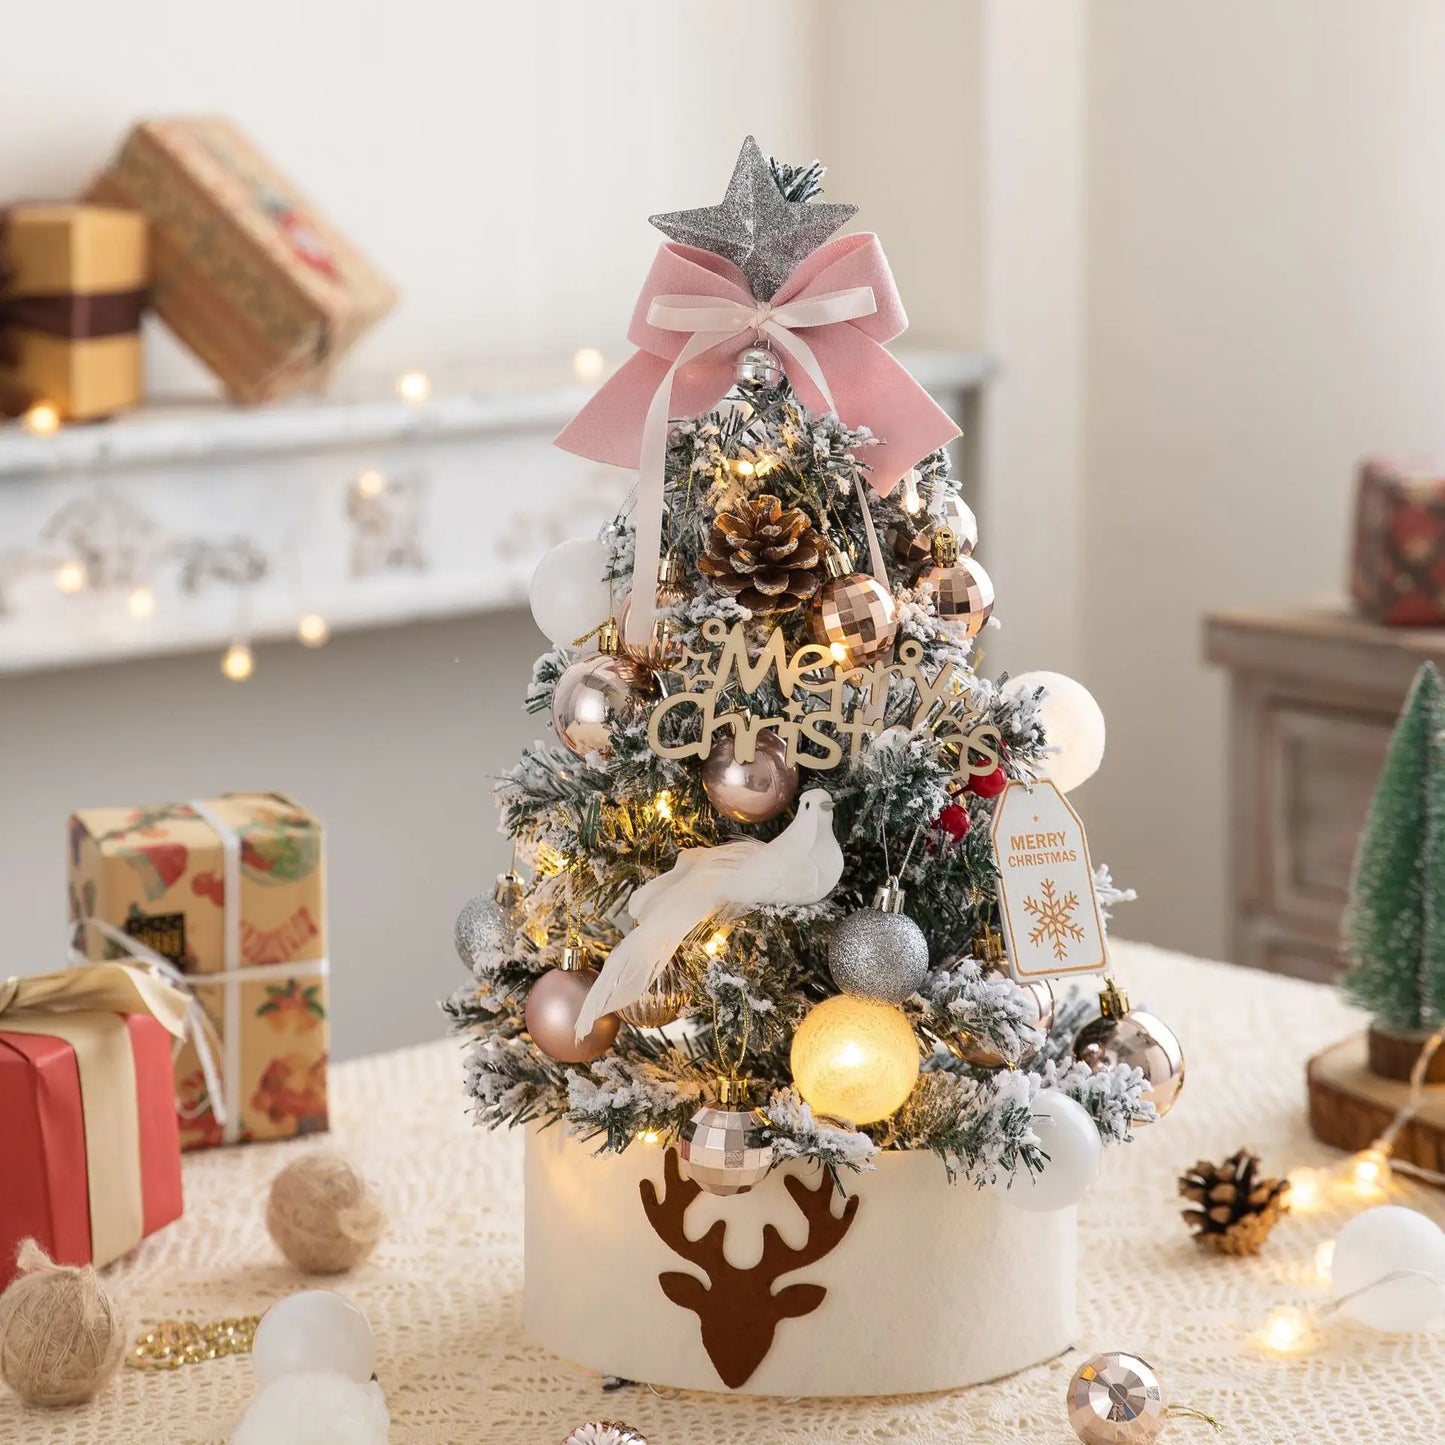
1397	573
232	891
243	269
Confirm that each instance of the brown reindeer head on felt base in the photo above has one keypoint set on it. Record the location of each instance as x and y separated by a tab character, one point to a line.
737	1308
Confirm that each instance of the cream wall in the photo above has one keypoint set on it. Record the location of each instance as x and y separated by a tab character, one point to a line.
1266	304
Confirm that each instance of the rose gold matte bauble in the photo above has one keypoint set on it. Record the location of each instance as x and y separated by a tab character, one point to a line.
750	792
552	1009
854	614
962	595
1121	1035
591	698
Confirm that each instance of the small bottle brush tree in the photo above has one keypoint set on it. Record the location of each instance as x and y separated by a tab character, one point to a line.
1395	922
761	499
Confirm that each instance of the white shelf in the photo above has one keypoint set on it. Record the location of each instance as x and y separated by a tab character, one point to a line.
474	489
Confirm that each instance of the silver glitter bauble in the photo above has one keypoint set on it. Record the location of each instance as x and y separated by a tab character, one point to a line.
757	366
754	227
592	699
722	1147
487	922
750	792
879	952
1117	1399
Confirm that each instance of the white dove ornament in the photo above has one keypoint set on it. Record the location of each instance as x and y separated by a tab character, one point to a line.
801	865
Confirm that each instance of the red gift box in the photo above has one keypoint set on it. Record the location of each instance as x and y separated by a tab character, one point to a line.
90	1158
1397	572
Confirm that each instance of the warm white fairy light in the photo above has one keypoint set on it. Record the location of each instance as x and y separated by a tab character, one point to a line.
141	603
588	363
1285	1331
69	577
662	805
1305	1194
1368	1171
413	386
743	467
312	629
912	502
648	1136
714	945
370	484
239	662
41	419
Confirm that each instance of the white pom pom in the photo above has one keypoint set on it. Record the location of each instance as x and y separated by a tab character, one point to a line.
315	1409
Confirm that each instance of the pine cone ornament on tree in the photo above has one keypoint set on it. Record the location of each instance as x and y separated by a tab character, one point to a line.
768	556
1236	1207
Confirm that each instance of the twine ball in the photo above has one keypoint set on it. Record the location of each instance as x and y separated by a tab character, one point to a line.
61	1333
322	1214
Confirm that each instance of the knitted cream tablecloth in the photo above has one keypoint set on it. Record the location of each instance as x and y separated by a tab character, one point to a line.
443	1291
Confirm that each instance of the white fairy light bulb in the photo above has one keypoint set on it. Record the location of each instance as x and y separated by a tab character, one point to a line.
1285	1330
69	577
1073	1153
588	363
1073	726
1388	1270
569	592
370	483
141	603
312	629
1305	1194
855	1059
413	386
239	661
912	502
1368	1172
41	419
315	1330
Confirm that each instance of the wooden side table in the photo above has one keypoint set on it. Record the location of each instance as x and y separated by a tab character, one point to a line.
1314	694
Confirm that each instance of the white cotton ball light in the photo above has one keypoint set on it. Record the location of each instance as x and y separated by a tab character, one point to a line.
316	1408
569	592
1073	726
1068	1137
1385	1241
855	1059
315	1330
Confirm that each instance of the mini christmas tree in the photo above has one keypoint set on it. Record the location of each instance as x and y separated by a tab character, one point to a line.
762	919
1395	923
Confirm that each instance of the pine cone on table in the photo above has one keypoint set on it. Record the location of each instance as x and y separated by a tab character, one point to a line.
768	556
1236	1207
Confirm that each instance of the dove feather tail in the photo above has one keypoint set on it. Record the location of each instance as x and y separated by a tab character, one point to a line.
637	961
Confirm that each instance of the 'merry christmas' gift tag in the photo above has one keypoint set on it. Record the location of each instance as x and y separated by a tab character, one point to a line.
1047	904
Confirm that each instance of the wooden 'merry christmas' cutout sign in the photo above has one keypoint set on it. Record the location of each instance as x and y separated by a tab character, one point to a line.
831	706
737	1308
1047	903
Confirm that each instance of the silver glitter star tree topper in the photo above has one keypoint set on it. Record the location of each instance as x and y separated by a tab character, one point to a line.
764	234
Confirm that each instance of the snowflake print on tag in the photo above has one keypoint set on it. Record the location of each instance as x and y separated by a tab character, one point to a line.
1048	909
1055	919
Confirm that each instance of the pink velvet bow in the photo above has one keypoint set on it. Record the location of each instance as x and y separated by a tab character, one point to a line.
828	325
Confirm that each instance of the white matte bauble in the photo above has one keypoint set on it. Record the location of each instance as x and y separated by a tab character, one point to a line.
1068	1137
1073	724
1384	1241
317	1329
320	1408
569	592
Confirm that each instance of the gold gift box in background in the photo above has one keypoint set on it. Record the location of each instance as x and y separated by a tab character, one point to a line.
162	875
72	290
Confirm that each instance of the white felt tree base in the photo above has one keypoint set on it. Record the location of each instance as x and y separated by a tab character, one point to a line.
934	1286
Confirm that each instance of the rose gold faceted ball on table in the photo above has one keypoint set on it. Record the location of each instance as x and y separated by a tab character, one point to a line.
962	595
854	614
1122	1035
750	792
593	697
553	1007
1117	1399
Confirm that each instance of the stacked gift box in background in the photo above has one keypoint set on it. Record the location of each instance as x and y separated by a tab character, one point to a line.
206	919
191	219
